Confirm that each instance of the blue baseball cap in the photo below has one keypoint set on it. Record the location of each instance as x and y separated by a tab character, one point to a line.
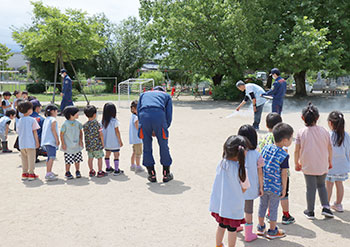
159	88
63	71
275	71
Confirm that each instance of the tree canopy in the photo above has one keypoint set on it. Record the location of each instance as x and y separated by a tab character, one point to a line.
5	54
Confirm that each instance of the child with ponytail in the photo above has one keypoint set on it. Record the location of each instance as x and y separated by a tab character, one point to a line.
274	179
341	158
253	163
227	200
313	156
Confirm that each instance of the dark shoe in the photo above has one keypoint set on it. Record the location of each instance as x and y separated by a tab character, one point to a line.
109	170
5	148
309	215
287	220
77	174
37	161
168	177
92	173
69	175
101	174
118	172
151	174
327	212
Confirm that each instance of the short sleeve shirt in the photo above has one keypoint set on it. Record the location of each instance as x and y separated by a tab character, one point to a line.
133	132
314	142
71	135
257	90
275	159
92	137
3	122
25	128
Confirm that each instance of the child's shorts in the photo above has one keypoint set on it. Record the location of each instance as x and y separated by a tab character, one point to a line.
51	152
113	150
137	149
98	154
73	158
336	178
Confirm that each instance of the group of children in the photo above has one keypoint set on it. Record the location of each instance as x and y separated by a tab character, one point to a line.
36	132
250	170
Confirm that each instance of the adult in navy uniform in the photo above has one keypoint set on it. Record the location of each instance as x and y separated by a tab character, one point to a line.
155	111
66	90
278	91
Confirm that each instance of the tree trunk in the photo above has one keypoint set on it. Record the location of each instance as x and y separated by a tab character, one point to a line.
269	81
54	82
217	79
300	83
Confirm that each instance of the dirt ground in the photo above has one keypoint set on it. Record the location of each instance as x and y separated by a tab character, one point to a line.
129	211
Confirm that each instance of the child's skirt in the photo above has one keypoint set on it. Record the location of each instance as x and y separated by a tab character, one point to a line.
335	178
228	222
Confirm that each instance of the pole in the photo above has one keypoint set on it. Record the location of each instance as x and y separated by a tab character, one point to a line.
55	81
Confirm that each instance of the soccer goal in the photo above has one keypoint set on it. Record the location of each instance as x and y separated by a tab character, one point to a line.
131	89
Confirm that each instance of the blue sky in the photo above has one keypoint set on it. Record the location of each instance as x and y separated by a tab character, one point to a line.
18	12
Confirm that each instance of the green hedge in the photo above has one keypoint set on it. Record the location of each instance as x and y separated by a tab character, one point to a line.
37	87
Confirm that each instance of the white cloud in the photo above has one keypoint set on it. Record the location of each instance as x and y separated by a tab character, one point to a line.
18	12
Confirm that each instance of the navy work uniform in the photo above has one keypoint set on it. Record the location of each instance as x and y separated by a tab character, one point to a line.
278	92
154	111
67	93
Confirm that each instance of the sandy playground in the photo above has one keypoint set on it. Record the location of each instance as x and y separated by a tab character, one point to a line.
129	211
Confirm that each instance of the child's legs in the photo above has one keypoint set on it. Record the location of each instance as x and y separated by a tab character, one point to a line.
248	209
77	166
67	167
329	186
322	191
108	154
138	160
264	203
311	186
273	206
99	164
340	191
68	159
31	154
116	155
138	153
220	232
285	200
232	238
133	158
24	158
90	163
51	156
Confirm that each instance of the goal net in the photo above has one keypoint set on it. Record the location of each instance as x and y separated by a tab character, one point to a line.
131	89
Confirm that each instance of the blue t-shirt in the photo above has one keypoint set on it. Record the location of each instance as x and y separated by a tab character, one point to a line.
253	90
341	156
275	159
25	128
47	137
133	132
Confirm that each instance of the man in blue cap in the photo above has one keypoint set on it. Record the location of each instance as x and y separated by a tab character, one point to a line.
66	90
154	111
278	91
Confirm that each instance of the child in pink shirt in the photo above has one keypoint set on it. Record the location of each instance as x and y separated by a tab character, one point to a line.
313	156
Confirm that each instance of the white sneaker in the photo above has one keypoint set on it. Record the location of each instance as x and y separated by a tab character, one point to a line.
337	207
139	169
132	167
51	177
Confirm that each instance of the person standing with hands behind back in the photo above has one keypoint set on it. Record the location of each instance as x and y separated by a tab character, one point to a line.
66	90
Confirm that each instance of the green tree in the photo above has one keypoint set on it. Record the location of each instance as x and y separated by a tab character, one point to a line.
202	36
5	54
58	37
157	76
305	51
124	53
